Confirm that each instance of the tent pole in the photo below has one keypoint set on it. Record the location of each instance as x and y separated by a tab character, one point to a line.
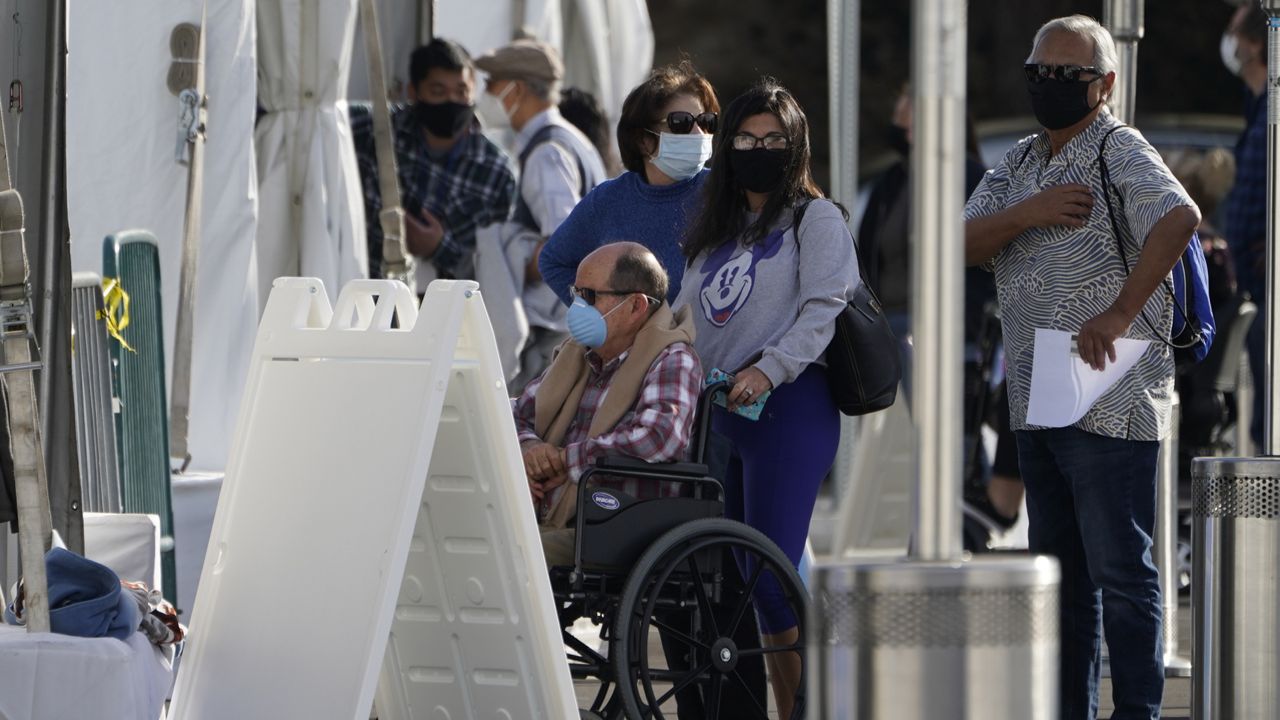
426	21
52	210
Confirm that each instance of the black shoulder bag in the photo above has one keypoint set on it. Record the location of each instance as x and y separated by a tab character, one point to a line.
864	366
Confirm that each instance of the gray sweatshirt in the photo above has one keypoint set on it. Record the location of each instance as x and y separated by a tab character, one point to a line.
772	304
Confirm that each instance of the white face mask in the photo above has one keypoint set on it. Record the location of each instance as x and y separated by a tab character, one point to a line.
1230	47
681	157
493	111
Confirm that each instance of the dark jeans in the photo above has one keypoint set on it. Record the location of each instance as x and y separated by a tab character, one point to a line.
1091	503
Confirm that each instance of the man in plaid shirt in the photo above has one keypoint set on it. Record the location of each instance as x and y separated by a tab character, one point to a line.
452	178
653	405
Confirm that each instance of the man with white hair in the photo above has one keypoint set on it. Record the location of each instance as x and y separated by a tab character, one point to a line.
1066	257
558	165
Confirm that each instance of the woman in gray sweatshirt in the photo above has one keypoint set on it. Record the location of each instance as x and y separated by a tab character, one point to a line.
765	296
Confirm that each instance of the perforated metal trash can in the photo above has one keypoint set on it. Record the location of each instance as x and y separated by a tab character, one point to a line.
1235	601
935	641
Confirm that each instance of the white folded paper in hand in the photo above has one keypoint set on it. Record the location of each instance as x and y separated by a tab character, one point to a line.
1064	387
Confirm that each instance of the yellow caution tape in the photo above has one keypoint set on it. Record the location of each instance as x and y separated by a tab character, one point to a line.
116	314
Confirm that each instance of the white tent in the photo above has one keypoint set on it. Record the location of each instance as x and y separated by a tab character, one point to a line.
312	212
607	45
122	132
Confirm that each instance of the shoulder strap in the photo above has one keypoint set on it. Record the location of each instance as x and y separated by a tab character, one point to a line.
548	133
797	217
1104	175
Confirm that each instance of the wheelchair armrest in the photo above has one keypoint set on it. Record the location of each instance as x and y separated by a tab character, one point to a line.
693	474
622	464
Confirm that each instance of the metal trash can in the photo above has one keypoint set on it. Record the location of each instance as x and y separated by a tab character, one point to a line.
1235	602
903	640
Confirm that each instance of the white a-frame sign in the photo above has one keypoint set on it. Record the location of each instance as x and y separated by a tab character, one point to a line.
375	507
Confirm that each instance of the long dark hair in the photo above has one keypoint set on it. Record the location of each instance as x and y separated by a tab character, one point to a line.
723	201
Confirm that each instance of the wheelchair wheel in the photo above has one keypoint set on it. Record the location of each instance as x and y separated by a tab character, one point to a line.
678	573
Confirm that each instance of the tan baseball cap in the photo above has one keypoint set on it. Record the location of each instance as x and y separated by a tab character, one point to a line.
523	60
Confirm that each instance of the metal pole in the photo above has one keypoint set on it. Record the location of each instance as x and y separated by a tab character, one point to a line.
937	187
52	213
1271	388
877	628
1124	19
844	22
843	46
1166	544
426	21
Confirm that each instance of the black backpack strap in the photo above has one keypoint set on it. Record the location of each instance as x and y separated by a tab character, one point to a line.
547	134
1104	175
797	216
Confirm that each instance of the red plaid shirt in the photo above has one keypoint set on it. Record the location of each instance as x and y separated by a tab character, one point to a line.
656	429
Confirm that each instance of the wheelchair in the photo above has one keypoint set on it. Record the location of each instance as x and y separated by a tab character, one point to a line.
667	570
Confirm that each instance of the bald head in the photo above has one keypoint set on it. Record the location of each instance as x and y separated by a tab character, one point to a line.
628	266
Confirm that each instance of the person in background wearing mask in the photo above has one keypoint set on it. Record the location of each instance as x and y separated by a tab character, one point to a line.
558	166
452	178
765	296
1244	52
626	383
664	137
1040	221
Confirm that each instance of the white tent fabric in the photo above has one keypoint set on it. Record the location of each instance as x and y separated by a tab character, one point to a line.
476	24
122	132
607	45
312	211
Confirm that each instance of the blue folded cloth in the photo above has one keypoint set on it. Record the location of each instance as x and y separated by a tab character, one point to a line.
85	598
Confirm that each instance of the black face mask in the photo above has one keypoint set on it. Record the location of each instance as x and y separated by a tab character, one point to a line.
1060	105
759	170
896	136
444	120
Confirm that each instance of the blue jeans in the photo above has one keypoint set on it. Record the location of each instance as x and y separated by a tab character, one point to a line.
1091	502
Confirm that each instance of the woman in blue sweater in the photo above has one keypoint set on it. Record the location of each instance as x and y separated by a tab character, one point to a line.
664	138
765	295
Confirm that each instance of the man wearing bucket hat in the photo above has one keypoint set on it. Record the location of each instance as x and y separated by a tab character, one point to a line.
558	165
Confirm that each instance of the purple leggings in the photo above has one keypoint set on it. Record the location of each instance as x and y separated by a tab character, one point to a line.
773	475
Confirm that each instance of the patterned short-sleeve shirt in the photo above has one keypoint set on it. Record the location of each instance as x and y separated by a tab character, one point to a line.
1060	277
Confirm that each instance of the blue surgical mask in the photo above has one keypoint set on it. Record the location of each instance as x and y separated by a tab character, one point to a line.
682	156
586	325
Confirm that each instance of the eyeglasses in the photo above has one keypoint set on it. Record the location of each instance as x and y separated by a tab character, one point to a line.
590	296
1039	72
681	122
772	141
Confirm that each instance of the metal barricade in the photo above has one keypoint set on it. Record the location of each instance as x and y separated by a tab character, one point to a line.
94	403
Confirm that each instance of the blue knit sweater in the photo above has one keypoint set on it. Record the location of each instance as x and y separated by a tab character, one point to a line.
624	208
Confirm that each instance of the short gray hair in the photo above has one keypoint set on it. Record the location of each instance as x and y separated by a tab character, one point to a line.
543	89
1104	47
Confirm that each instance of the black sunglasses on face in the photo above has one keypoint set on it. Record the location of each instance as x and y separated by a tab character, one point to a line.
1039	72
590	295
681	122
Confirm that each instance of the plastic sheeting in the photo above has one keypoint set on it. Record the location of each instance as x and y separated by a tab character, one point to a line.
312	211
121	173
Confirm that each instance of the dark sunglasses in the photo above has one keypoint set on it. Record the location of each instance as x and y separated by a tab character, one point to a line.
1039	72
590	296
681	122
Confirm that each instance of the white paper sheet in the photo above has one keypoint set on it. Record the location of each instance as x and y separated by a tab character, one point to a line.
1064	387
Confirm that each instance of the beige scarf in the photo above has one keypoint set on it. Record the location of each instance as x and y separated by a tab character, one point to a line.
562	388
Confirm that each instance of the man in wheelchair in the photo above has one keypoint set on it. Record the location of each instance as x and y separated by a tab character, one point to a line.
626	384
604	433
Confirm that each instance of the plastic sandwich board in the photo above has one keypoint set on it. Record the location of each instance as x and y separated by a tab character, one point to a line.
362	448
